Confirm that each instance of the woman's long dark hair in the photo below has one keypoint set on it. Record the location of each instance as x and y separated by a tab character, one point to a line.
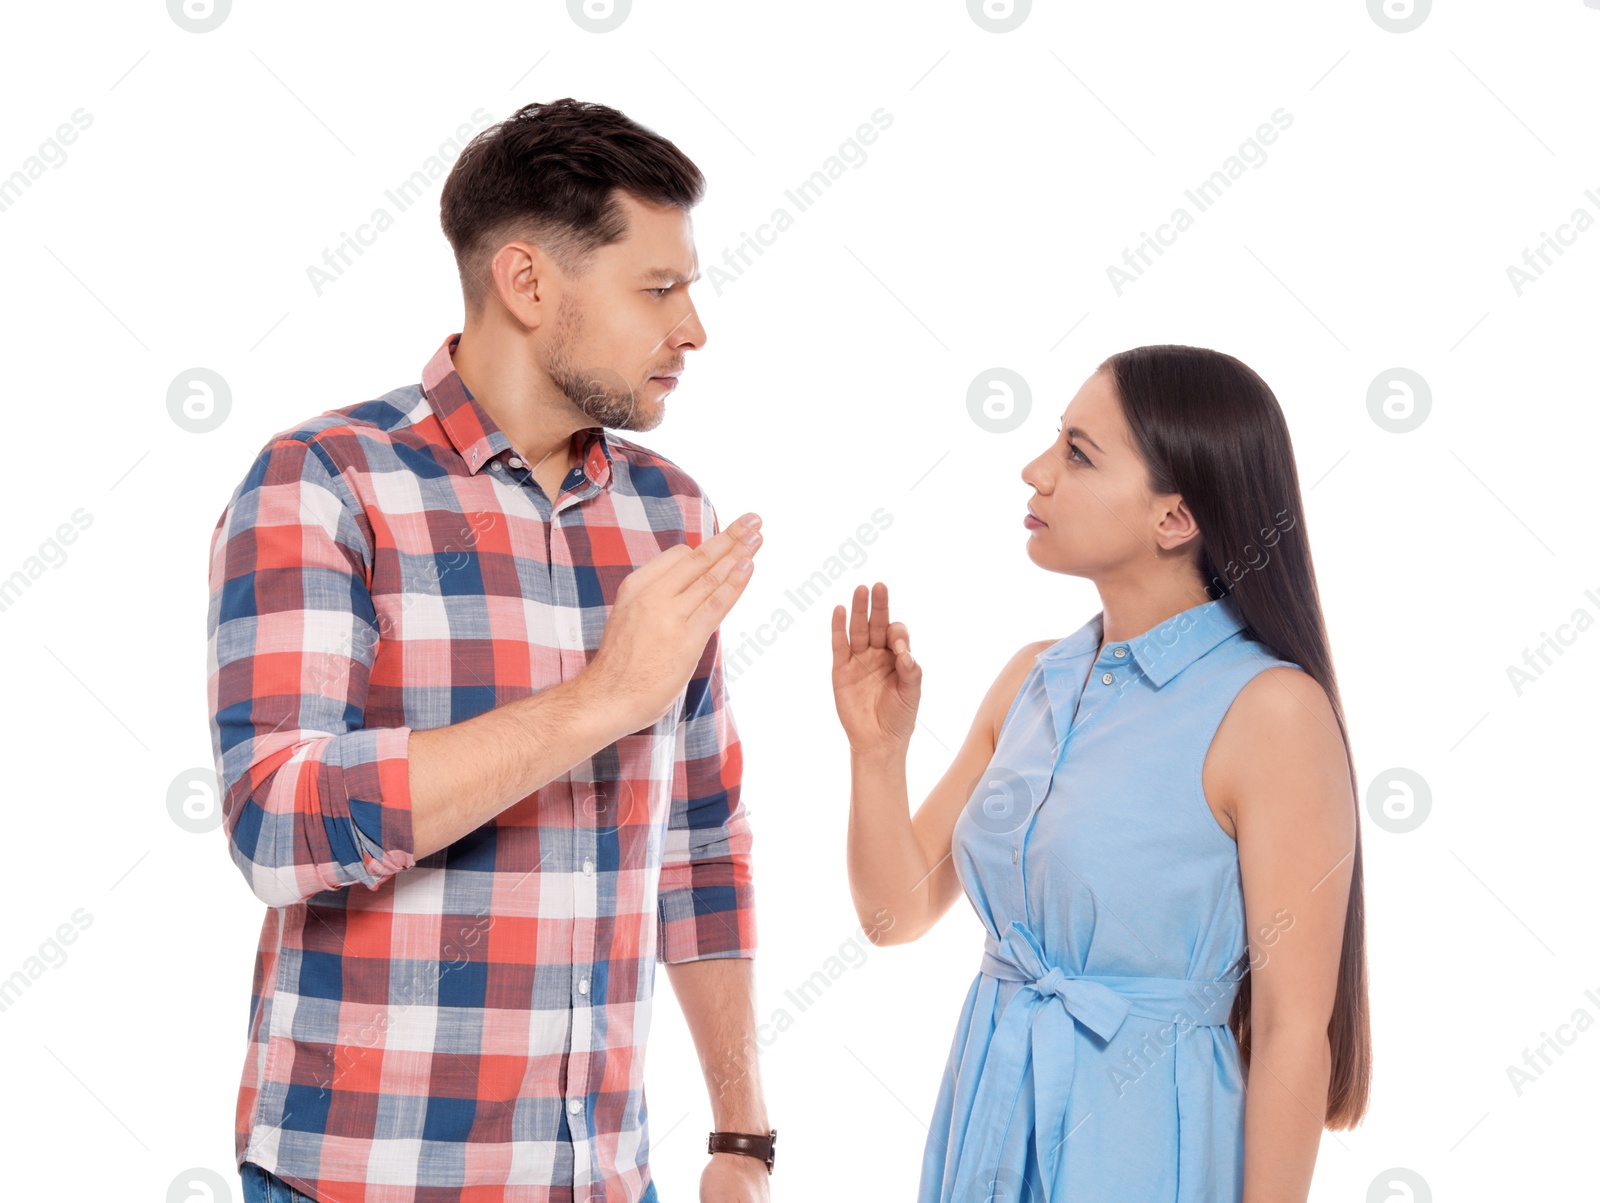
1211	430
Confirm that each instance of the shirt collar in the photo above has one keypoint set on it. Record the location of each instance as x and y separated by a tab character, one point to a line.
1163	651
474	433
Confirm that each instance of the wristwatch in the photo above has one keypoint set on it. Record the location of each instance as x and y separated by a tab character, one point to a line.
762	1148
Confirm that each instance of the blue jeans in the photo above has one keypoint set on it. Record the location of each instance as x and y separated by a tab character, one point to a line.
262	1187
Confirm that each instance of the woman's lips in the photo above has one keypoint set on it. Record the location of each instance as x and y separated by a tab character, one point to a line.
1032	523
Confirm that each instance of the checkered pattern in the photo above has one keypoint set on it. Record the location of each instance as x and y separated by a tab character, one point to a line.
470	1025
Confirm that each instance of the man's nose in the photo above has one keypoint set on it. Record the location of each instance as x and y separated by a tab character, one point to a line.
690	333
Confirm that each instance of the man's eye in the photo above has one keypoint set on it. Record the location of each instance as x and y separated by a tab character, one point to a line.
659	290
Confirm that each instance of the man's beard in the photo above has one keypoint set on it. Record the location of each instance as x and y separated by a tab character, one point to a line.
603	395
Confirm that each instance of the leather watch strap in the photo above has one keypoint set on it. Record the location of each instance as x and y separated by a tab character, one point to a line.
751	1144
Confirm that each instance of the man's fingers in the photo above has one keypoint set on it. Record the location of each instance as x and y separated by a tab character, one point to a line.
726	545
720	585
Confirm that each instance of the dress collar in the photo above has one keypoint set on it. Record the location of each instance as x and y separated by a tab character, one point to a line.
1163	651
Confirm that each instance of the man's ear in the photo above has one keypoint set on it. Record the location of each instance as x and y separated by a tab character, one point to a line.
522	280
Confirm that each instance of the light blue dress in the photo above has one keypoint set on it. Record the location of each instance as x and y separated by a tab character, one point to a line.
1092	1059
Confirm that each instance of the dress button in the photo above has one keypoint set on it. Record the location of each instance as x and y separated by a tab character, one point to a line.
1120	652
1106	678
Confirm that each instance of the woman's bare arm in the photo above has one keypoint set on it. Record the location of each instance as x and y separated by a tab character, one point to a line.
903	879
1277	767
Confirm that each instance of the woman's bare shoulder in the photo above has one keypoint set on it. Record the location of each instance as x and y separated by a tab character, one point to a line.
1009	682
1282	715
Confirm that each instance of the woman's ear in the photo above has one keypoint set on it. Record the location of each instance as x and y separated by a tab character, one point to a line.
1175	525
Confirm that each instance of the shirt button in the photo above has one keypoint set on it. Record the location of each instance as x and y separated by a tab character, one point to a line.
574	1105
515	462
1106	678
588	868
583	986
495	465
1013	856
1120	652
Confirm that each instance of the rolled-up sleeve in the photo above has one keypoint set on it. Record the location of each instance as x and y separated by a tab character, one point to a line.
706	896
312	799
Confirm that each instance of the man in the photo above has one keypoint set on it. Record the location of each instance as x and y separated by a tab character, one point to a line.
467	708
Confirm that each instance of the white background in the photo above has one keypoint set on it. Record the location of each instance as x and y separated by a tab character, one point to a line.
218	167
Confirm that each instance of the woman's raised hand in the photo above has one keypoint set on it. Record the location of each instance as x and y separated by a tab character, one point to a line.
876	683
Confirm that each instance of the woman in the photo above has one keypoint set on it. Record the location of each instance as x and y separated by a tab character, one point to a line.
1154	818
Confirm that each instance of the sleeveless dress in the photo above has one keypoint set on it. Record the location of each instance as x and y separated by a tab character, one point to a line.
1092	1059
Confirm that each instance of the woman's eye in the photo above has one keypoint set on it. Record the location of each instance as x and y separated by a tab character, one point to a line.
1072	449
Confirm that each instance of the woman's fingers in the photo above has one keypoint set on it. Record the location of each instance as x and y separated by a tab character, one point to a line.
841	640
858	620
869	624
879	632
899	639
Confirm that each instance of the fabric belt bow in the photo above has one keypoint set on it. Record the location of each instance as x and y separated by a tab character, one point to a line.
1032	1027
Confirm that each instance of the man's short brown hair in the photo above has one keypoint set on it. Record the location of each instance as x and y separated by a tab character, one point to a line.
549	174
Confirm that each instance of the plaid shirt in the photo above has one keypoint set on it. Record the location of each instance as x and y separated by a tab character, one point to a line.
470	1025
